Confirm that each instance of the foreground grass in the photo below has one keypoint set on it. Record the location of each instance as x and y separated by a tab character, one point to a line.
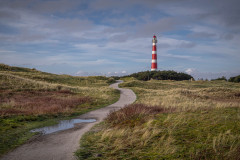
30	99
170	120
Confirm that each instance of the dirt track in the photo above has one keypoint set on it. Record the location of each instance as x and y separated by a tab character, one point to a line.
62	145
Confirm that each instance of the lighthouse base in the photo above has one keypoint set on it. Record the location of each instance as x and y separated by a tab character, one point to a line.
153	69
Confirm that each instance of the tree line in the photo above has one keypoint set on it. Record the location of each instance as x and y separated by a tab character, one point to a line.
161	75
235	79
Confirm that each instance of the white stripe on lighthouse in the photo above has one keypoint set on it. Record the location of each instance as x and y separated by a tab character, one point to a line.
154	61
154	52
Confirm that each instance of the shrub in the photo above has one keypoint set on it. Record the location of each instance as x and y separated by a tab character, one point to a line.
222	78
135	113
161	75
234	79
111	80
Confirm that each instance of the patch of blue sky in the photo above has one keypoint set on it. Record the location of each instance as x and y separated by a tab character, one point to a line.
6	29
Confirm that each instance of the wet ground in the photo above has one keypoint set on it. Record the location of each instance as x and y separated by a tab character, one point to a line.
62	125
61	145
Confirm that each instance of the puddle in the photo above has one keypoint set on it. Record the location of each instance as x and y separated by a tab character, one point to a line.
62	125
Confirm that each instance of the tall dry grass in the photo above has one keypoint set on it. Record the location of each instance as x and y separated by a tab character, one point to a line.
40	102
188	96
15	89
171	120
131	114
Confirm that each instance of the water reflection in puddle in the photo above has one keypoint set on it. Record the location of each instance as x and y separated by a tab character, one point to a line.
62	125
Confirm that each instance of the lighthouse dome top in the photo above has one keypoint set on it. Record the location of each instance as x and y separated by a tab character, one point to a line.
154	40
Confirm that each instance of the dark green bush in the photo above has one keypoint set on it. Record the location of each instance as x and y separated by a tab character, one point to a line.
234	79
161	75
222	79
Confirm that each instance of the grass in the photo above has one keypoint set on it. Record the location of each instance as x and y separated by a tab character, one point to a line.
30	99
170	120
40	102
186	95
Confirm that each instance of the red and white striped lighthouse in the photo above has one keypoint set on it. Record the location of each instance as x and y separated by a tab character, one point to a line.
154	54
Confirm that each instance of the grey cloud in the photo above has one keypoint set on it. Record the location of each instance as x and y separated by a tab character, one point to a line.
55	6
111	4
227	36
219	12
25	38
183	44
228	11
119	38
8	15
164	45
39	6
187	45
106	4
156	27
16	4
70	25
187	57
202	35
36	28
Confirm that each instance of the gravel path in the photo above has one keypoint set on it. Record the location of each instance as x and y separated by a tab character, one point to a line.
62	145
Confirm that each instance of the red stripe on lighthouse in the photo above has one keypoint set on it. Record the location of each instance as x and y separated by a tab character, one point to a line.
154	48
154	65
154	56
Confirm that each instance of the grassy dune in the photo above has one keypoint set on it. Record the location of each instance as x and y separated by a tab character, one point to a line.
170	120
31	99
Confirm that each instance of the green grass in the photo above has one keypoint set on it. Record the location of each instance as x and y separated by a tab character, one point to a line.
194	120
14	130
31	99
197	135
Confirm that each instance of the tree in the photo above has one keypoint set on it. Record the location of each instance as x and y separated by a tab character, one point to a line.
161	75
234	79
222	78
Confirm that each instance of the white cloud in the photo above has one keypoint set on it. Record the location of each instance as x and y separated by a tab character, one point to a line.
116	73
190	70
82	73
210	75
124	72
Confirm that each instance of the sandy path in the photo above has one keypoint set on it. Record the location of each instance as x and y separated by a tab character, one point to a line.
62	145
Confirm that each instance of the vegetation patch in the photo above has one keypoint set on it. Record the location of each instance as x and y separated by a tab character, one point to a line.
235	79
170	120
134	114
31	99
188	135
186	95
40	102
161	75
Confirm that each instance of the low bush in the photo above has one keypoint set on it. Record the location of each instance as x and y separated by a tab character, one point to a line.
234	79
135	113
161	75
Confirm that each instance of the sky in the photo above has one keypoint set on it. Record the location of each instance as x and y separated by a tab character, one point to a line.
113	37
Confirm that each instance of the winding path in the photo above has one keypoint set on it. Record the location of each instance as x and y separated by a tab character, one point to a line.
62	145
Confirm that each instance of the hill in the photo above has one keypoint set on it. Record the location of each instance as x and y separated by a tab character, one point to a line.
30	99
170	120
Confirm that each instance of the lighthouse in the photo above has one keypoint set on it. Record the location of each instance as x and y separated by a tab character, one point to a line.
154	54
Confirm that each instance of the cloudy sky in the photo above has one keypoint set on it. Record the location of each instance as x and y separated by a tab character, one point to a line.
107	37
